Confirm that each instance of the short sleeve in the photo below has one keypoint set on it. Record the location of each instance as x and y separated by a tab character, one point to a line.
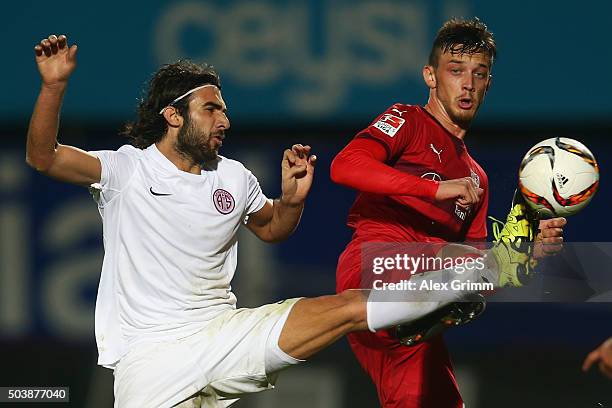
390	129
256	199
117	170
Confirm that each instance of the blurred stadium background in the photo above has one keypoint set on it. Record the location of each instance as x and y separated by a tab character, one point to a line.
312	72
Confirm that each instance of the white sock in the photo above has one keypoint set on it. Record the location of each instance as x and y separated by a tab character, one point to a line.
383	313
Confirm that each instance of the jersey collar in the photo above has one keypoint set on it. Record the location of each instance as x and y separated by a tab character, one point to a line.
164	162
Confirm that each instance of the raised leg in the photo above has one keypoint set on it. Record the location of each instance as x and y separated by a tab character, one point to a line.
315	323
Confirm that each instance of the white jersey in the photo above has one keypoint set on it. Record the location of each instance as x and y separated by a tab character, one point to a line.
170	246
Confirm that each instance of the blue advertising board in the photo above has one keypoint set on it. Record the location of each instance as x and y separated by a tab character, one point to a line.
316	61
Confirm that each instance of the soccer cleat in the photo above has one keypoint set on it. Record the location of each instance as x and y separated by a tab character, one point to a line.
512	250
513	244
454	314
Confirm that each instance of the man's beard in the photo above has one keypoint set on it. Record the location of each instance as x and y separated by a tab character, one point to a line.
460	117
463	119
194	145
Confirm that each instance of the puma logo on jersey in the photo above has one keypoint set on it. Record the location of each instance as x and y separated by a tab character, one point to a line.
438	152
399	112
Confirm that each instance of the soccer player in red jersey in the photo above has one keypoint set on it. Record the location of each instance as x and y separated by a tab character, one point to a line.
418	183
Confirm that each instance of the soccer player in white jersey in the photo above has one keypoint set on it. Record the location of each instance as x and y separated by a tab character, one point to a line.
166	319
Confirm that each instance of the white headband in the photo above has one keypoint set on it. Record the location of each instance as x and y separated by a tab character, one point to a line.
161	112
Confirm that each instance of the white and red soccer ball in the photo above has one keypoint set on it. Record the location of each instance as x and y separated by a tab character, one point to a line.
558	177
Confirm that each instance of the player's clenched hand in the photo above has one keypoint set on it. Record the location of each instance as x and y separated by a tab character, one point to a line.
297	174
601	355
549	240
55	60
463	191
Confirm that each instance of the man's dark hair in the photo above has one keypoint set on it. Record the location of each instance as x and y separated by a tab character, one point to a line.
167	84
460	36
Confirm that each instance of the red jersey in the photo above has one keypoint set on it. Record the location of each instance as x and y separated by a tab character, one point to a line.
417	144
397	184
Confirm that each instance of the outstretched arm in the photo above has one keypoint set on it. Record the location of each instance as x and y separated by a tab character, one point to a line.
361	165
277	220
56	61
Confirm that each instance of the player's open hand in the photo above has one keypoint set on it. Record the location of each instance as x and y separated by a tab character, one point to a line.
55	60
463	191
549	240
603	356
297	174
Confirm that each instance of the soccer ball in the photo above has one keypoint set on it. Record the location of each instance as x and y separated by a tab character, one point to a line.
558	177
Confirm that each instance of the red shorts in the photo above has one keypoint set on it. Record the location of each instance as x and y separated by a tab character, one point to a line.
407	377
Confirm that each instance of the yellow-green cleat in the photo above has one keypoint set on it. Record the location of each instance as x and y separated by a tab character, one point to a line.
513	244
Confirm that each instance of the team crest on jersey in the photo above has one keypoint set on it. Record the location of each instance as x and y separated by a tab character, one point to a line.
389	124
475	177
223	201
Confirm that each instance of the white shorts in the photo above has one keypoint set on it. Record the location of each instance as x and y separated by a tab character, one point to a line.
236	353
